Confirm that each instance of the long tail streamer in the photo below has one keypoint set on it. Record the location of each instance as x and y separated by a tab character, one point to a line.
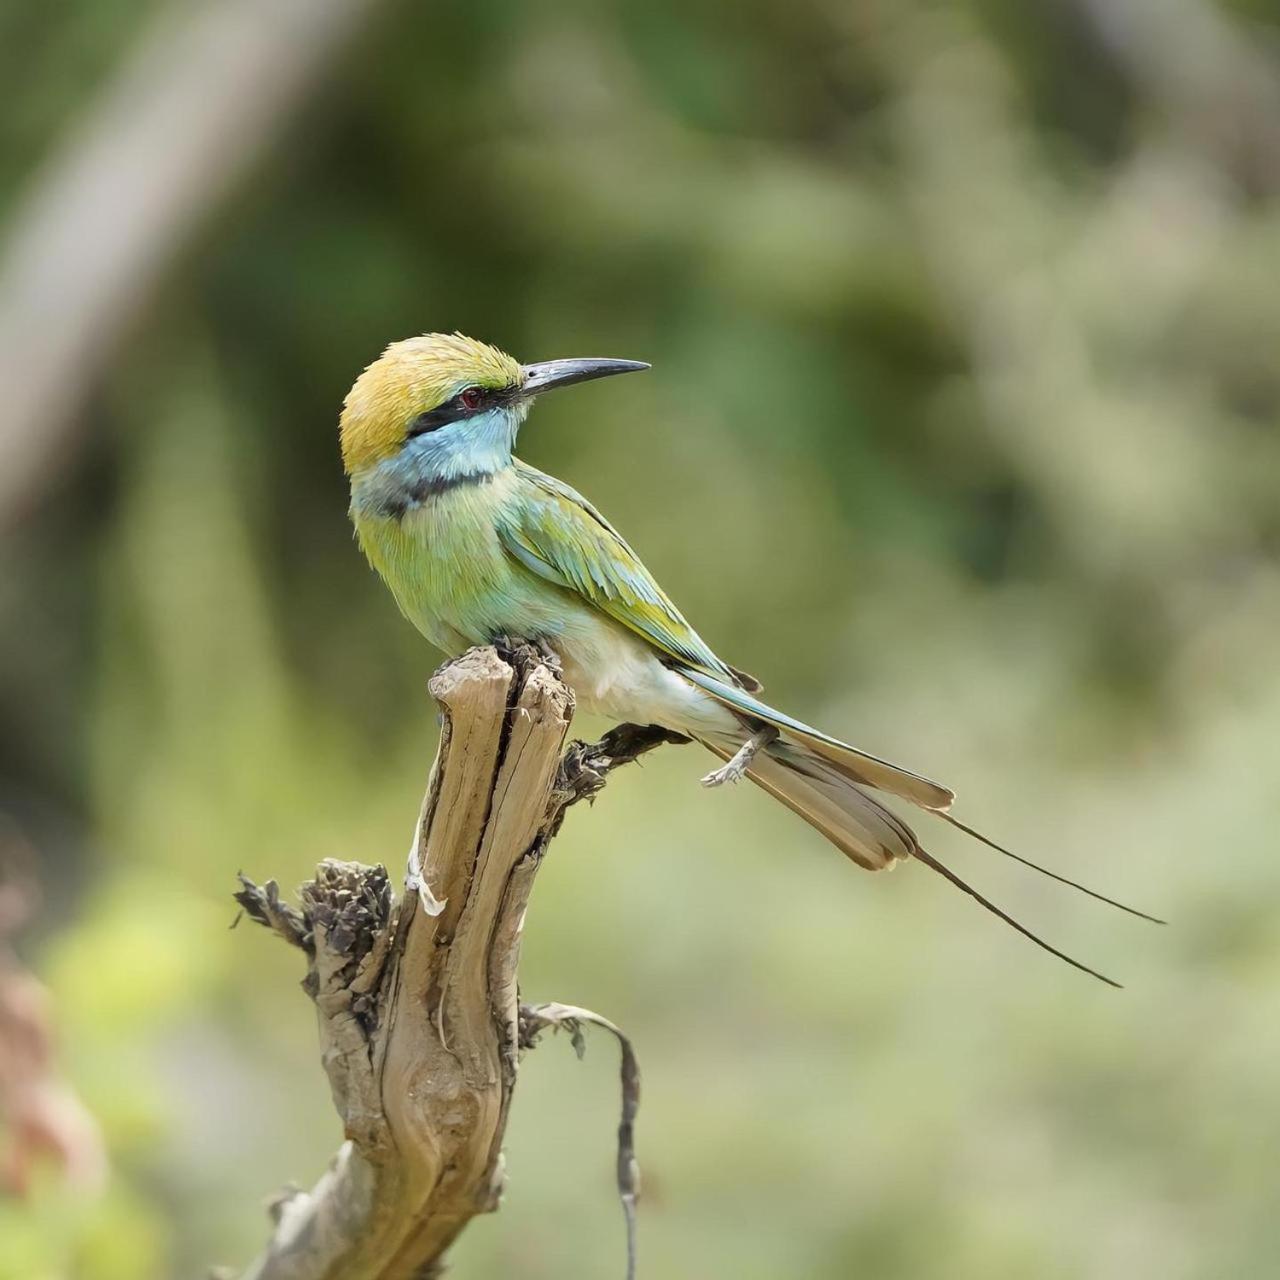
930	861
1044	871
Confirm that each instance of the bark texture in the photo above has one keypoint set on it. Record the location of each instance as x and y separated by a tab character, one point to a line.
417	1001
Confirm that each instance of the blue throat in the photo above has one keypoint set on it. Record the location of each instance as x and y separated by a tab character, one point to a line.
470	451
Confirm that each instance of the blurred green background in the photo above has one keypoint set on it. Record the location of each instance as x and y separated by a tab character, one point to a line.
961	433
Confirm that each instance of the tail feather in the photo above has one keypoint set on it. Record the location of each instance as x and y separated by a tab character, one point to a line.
835	804
1044	871
858	825
864	770
947	874
883	775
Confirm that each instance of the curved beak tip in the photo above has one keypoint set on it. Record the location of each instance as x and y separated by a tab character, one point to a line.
564	373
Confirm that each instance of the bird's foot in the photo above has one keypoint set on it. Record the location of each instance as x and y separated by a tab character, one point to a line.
549	655
734	770
505	646
517	652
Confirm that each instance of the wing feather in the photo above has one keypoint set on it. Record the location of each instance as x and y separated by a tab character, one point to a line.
556	533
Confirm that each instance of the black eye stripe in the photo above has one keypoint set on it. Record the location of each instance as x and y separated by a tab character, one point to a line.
454	410
433	420
451	411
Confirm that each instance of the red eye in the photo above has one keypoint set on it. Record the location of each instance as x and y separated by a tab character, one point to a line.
471	398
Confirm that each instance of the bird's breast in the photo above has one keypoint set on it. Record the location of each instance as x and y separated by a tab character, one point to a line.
442	557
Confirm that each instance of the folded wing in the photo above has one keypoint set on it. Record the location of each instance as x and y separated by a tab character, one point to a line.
556	533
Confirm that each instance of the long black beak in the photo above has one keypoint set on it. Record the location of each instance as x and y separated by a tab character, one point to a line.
564	373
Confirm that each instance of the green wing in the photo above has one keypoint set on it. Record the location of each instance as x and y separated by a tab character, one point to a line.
555	532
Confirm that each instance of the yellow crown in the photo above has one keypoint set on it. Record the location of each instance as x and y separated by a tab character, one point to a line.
410	378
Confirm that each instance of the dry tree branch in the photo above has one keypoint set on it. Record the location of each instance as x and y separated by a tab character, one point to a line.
419	1015
1208	72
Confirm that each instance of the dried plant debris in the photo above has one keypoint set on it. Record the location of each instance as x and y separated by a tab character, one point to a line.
352	903
262	903
537	1018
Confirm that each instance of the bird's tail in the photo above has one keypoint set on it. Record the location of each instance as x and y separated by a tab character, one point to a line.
863	767
829	785
854	821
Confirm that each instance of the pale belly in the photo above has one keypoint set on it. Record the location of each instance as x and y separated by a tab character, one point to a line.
614	673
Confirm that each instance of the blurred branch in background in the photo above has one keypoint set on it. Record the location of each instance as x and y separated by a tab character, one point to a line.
40	1116
1215	84
206	90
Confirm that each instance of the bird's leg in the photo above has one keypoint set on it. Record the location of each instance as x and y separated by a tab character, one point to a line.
741	762
549	655
517	652
506	647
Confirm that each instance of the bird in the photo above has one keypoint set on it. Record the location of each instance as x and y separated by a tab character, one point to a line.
476	546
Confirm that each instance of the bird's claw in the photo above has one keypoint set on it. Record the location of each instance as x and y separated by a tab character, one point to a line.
731	772
735	769
509	649
549	655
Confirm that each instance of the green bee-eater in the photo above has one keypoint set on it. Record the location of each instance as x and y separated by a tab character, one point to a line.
476	545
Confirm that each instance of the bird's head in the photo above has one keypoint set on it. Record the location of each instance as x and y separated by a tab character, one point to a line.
455	398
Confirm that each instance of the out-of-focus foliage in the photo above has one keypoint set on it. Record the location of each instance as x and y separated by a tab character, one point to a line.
962	433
